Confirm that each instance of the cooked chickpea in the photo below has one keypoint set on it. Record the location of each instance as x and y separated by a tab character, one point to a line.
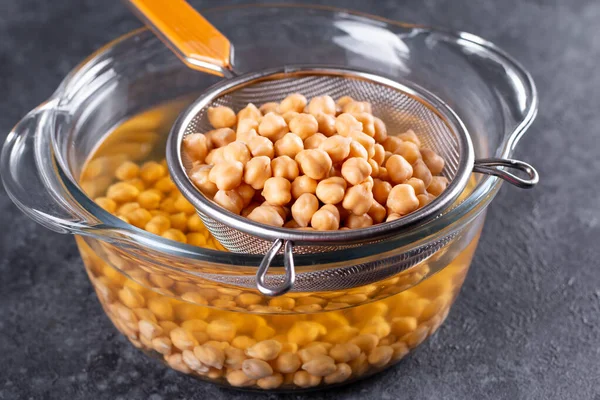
337	147
139	217
380	356
331	190
210	355
285	167
288	116
344	352
324	104
358	150
261	146
150	199
402	199
246	130
266	214
215	156
304	125
238	378
365	140
266	350
221	137
294	102
303	184
237	151
327	218
249	208
421	172
107	204
128	170
304	208
357	107
246	192
434	162
377	212
368	122
289	145
271	106
409	151
305	380
227	175
256	369
417	184
314	141
258	170
410	136
199	175
399	170
287	363
221	117
342	373
383	174
342	101
392	217
326	124
378	154
122	192
270	382
358	199
272	126
358	221
249	112
345	123
314	163
380	130
229	200
355	170
438	185
320	365
425	199
277	191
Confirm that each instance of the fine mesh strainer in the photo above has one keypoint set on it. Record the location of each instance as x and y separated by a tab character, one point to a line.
401	105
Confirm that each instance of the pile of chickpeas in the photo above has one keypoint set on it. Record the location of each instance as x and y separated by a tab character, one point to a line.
321	165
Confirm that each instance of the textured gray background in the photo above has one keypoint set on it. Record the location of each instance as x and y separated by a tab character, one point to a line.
527	323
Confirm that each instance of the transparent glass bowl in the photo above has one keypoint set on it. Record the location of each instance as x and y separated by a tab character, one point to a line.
167	297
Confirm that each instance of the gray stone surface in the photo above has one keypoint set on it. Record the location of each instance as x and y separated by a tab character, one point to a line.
527	323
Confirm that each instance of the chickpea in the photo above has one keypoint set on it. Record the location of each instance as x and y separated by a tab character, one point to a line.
285	167
438	185
421	172
246	192
289	145
227	175
246	130
380	356
199	175
342	373
374	168
139	217
380	130
266	350
294	102
377	212
288	363
277	191
221	117
337	146
249	112
305	380
107	204
229	200
249	208
425	199
324	104
345	123
282	211
303	184
392	217
398	169
270	382
326	124
358	199
304	125
261	146
344	352
182	339
258	170
130	170
238	378
409	151
367	141
391	143
209	355
237	151
215	156
150	199
288	116
402	199
314	163
410	136
221	137
342	101
417	184
272	126
122	192
266	214
378	154
271	106
358	150
331	190
320	365
327	218
304	208
383	174
355	170
358	221
434	162
314	141
357	107
368	122
256	369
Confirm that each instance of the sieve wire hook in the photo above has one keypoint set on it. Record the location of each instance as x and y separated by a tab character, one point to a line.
498	167
288	262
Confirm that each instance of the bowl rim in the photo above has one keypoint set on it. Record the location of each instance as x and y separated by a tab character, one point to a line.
454	220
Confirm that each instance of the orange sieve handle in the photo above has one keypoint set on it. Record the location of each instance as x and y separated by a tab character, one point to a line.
187	33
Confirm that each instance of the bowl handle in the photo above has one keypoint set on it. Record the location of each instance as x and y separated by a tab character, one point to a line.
187	33
28	183
288	262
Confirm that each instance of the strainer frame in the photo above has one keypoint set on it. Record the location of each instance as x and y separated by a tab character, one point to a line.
316	238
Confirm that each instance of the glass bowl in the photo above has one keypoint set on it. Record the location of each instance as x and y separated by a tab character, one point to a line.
190	304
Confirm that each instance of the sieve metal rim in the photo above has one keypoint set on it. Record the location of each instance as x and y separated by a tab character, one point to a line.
379	231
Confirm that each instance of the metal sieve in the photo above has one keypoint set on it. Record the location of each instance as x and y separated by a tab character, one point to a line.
401	106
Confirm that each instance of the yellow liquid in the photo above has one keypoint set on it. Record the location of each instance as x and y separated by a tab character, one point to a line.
207	329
